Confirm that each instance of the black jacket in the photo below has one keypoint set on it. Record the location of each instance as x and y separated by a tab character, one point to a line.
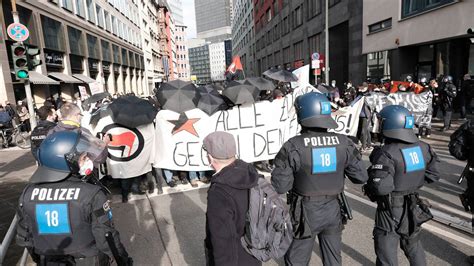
39	133
447	95
227	206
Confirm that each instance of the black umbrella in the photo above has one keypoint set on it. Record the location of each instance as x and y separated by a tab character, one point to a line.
283	75
99	114
132	111
97	97
322	88
261	83
241	94
210	101
269	71
234	83
177	95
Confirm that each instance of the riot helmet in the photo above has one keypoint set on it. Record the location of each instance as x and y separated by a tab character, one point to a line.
448	79
59	155
313	110
397	122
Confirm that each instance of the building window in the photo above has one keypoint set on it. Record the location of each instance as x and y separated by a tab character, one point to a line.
52	33
100	17
298	48
90	11
66	4
105	51
76	41
314	8
108	27
413	7
380	26
471	60
116	54
333	2
124	57
314	44
114	26
378	65
269	14
298	17
80	8
93	46
286	54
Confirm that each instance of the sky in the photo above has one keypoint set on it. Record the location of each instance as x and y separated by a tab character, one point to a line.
189	18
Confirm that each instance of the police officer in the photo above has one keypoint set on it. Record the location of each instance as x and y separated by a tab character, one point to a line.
447	94
47	116
63	216
399	168
313	166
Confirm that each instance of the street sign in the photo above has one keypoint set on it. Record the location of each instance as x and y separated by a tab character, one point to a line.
315	56
18	32
315	64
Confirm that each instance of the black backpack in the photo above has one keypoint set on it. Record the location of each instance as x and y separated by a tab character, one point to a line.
268	228
458	144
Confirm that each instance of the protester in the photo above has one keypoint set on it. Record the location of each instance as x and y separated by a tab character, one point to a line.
24	116
47	120
313	169
467	92
67	228
425	130
399	169
227	202
447	94
436	99
364	120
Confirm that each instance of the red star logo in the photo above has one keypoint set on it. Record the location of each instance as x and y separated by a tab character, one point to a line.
184	124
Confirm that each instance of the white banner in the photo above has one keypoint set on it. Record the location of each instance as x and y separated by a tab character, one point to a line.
131	150
347	118
96	87
303	76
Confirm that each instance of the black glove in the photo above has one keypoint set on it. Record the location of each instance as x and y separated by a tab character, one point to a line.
369	192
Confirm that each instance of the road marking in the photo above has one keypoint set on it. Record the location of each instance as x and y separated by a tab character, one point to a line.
429	227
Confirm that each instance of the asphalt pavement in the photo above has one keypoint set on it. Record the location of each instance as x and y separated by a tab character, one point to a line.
169	229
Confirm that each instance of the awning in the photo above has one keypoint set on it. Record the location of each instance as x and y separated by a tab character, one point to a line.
63	77
84	78
37	78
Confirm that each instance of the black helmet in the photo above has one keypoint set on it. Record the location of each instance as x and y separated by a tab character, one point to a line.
58	155
409	78
423	81
314	110
447	79
397	122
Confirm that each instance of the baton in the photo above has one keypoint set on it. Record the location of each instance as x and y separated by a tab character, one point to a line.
345	205
464	173
113	248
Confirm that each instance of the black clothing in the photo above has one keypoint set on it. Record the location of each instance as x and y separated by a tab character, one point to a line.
68	218
447	95
467	92
39	133
227	206
398	170
313	165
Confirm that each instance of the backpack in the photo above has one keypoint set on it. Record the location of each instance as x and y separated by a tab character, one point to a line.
268	228
458	142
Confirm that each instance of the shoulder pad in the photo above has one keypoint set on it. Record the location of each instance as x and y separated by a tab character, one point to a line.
378	153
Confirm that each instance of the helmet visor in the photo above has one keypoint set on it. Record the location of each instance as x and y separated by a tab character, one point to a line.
95	148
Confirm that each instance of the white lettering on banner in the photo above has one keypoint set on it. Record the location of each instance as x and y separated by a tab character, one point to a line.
347	118
50	194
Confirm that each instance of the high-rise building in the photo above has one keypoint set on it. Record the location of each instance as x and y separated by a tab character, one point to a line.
213	19
182	58
199	62
243	35
81	43
418	38
176	7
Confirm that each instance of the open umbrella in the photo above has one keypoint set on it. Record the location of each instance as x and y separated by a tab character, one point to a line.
283	75
177	95
241	94
269	71
234	83
322	88
261	83
210	101
99	114
132	111
96	97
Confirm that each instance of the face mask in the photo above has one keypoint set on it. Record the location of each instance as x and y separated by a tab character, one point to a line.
86	168
333	84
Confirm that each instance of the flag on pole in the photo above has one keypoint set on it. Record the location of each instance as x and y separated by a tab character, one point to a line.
235	71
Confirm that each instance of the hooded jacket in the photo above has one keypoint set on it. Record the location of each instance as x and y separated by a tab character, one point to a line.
227	206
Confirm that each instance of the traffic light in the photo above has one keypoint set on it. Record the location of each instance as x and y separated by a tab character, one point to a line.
20	62
32	60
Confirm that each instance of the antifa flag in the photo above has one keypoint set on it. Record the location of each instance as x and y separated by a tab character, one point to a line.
235	71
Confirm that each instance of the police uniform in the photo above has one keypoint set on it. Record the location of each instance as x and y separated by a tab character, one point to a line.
399	168
313	166
63	218
39	133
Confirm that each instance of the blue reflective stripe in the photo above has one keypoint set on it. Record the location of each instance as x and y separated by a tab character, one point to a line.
413	158
53	219
324	160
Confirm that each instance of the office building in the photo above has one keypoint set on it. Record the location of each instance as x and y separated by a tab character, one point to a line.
182	57
243	35
200	64
213	19
217	61
418	38
176	7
